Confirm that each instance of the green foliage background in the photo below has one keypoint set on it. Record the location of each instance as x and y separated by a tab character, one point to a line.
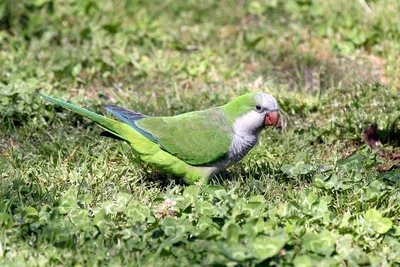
308	195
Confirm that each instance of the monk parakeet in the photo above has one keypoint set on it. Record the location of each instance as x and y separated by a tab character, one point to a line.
193	145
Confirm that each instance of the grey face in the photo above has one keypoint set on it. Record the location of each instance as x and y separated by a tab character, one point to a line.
265	103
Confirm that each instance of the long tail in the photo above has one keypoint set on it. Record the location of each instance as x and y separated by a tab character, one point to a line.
117	128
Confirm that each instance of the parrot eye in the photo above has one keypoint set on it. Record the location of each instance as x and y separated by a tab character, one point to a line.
258	107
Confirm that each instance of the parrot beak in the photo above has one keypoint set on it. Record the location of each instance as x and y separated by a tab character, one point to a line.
271	119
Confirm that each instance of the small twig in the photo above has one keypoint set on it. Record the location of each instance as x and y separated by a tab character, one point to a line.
178	96
72	153
366	7
130	187
389	155
116	86
337	199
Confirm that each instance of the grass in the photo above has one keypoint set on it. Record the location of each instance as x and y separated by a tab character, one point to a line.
309	194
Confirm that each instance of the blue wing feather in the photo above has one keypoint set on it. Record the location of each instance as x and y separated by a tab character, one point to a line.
130	117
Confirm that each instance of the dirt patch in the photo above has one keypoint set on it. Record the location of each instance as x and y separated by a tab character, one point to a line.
315	67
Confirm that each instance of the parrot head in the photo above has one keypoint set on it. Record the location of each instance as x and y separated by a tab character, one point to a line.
251	112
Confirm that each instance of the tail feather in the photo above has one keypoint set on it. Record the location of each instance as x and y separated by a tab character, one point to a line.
117	128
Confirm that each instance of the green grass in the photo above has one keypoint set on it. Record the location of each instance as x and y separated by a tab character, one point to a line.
311	194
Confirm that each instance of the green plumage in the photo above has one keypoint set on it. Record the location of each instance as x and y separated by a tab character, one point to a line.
198	138
146	149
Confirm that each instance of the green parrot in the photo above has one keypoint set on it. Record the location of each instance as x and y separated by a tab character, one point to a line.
194	145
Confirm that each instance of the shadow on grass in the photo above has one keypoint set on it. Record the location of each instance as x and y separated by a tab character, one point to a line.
391	135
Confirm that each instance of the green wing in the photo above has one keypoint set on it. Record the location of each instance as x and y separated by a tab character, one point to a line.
198	138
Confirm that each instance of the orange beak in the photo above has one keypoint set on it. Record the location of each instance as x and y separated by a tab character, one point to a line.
271	119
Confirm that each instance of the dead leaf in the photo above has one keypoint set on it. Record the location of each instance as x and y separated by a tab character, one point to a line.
370	136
